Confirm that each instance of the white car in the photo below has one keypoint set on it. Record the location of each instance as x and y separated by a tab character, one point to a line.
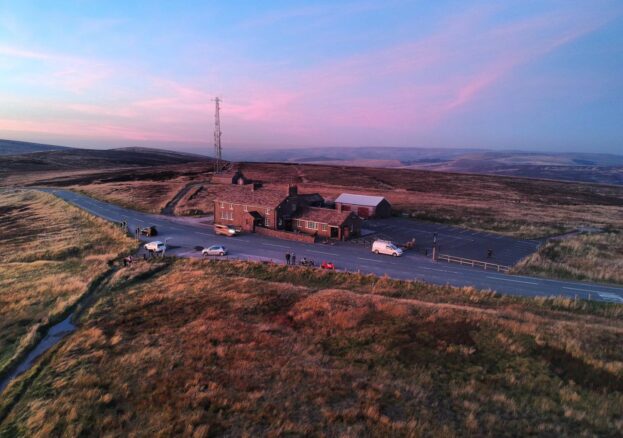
155	246
385	247
214	250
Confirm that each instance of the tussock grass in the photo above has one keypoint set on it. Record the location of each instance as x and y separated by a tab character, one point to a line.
147	196
49	252
203	348
596	257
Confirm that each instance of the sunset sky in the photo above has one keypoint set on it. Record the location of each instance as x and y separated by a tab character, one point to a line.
532	75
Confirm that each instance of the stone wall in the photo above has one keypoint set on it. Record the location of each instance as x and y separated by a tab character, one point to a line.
297	237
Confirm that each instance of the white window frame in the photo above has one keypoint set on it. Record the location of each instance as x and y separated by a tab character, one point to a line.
246	208
325	227
311	225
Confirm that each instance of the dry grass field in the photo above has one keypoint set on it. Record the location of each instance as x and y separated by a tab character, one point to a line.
485	202
146	196
512	206
597	257
49	252
206	348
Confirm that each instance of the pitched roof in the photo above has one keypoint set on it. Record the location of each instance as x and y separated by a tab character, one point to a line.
363	200
324	215
262	197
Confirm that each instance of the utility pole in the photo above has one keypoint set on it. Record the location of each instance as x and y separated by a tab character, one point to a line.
217	136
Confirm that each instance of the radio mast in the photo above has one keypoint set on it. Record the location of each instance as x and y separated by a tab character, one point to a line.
217	136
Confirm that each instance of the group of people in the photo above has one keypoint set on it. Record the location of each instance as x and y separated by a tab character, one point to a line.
290	258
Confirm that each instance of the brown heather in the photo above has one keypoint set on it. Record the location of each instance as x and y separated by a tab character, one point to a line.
49	252
205	348
597	257
147	196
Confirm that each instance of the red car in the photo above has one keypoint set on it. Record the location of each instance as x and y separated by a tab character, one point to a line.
327	265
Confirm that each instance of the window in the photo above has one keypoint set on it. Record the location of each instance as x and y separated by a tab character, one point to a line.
246	208
312	225
267	211
231	206
266	222
324	227
222	205
227	215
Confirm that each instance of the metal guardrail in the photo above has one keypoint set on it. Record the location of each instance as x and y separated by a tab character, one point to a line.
475	263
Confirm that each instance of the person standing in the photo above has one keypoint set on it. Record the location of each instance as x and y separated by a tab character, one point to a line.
287	258
293	258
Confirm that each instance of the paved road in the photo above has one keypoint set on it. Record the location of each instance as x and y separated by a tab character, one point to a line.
185	234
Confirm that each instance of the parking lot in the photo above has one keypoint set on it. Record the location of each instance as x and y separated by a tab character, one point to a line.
459	242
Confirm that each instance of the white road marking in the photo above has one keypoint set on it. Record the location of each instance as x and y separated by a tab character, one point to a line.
604	295
438	270
273	244
610	297
514	281
619	289
581	290
322	252
370	260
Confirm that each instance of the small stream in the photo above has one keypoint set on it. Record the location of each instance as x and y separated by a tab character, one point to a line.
55	334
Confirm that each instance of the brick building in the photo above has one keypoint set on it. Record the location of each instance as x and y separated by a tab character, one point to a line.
328	223
248	207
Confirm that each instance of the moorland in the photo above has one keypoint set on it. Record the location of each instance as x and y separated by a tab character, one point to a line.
202	348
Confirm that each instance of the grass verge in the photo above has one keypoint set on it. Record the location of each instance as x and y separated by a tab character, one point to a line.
595	257
49	254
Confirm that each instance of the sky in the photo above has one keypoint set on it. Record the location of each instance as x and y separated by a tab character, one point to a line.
543	75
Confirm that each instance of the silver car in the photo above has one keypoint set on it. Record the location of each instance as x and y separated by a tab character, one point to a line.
214	250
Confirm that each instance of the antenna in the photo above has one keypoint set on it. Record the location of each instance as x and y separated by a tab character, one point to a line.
217	136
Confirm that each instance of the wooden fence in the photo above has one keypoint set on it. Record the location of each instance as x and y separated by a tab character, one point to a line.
475	263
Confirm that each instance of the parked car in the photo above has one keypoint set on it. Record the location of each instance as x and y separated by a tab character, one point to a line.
214	250
327	265
226	230
386	247
149	231
155	246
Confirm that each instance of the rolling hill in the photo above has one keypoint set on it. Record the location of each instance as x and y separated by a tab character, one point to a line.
13	147
65	158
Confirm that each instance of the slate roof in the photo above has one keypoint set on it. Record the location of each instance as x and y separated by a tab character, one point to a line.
324	215
261	197
363	200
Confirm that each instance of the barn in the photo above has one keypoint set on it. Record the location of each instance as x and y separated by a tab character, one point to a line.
364	206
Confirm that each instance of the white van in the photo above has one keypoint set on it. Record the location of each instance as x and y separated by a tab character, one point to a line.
155	246
386	247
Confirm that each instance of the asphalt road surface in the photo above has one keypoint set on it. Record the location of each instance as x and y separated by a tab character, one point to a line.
454	241
184	235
